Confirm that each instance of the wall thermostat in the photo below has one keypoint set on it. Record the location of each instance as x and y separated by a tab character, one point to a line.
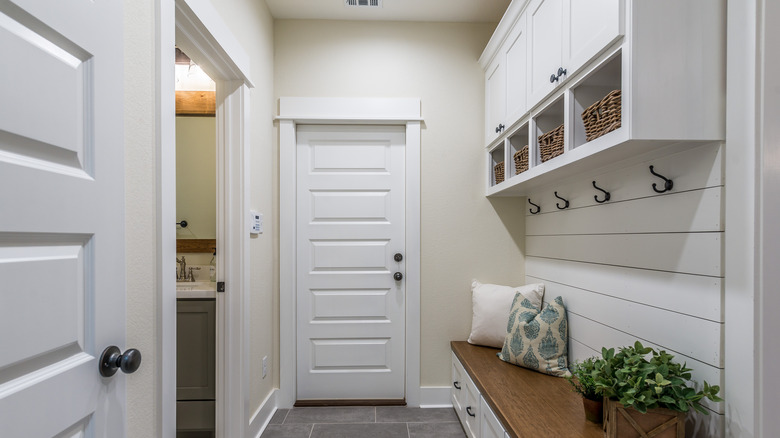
256	221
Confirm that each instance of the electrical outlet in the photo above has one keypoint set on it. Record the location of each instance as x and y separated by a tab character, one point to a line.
265	366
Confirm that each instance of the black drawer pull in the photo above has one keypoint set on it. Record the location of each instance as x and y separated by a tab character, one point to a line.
455	384
468	411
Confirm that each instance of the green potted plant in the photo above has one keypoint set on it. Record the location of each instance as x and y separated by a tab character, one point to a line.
583	381
646	389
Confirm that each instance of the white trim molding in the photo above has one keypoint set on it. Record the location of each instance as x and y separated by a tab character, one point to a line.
204	37
435	397
263	415
299	110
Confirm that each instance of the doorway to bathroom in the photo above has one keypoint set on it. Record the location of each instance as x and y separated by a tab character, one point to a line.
196	250
194	27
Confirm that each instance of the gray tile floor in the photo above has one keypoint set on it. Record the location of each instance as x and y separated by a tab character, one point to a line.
364	422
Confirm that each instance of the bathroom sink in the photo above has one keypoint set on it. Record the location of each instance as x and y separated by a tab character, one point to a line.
196	289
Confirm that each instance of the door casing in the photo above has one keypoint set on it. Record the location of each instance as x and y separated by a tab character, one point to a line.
197	28
353	111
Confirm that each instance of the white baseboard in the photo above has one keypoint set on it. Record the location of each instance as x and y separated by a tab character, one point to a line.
435	397
263	415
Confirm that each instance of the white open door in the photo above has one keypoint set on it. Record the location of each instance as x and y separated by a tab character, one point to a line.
62	295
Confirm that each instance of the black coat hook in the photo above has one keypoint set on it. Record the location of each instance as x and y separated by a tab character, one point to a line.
559	205
668	184
596	197
538	209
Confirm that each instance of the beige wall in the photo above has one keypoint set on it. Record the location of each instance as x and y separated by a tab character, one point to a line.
464	235
196	177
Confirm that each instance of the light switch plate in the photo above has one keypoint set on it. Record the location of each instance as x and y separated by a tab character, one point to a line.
256	221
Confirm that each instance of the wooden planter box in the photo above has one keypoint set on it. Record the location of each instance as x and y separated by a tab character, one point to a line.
627	422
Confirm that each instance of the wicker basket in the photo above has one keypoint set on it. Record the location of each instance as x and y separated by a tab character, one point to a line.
498	170
521	160
551	144
603	116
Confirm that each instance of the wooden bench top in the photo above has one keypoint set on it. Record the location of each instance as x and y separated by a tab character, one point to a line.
528	403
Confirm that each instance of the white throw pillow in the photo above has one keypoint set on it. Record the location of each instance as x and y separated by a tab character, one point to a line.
491	306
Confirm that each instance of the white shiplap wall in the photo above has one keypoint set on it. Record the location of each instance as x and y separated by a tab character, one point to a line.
643	266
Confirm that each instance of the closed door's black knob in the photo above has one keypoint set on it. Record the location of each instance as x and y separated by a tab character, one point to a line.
398	257
113	359
398	276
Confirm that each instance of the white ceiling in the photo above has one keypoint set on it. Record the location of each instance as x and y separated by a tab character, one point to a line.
489	11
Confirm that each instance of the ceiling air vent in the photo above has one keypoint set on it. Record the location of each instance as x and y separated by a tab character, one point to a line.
369	3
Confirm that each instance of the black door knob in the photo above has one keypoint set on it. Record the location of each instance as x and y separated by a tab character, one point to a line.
398	276
398	257
113	359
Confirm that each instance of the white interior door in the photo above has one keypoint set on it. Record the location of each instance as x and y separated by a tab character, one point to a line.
350	308
62	293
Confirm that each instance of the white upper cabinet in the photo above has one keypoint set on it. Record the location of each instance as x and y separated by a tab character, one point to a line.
506	82
590	27
564	35
515	51
495	99
590	83
545	25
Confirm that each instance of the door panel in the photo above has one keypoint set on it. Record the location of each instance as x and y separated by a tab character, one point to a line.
355	206
495	94
516	58
61	217
351	312
593	25
544	30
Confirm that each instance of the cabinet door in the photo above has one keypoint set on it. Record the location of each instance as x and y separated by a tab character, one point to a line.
195	349
495	98
515	52
472	401
458	389
545	42
490	426
589	27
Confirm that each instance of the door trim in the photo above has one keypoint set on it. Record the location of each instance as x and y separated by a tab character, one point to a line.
196	27
353	111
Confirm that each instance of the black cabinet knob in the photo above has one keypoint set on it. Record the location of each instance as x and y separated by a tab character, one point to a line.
398	276
398	257
501	127
561	71
553	78
497	129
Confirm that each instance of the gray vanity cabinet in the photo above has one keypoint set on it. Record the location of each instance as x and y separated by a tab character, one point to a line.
195	364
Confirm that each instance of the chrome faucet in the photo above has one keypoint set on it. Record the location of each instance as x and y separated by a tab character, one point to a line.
182	276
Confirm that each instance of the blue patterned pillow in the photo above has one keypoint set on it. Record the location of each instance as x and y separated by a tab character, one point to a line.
537	340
